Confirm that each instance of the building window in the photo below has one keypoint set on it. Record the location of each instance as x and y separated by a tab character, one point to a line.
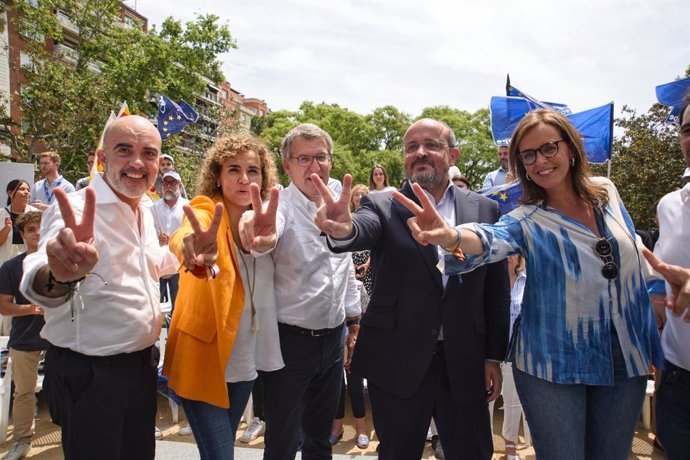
25	60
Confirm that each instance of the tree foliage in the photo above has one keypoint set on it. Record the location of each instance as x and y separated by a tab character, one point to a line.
364	140
646	163
71	89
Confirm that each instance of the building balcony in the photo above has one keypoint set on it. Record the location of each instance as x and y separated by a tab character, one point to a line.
66	22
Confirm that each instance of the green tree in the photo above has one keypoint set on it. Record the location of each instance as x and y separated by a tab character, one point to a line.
646	163
388	126
473	133
71	90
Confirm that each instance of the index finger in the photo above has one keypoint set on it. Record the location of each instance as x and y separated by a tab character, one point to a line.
423	198
65	208
255	194
324	191
408	203
193	221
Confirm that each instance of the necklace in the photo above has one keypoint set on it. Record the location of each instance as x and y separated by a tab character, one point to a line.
251	285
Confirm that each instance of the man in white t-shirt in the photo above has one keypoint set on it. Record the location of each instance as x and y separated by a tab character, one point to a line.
673	396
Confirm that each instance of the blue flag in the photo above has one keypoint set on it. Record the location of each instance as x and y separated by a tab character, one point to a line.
506	195
671	94
595	125
172	117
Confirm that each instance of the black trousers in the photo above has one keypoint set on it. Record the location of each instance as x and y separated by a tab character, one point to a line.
105	405
355	388
304	394
258	398
402	424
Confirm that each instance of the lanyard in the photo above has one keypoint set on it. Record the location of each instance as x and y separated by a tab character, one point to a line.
49	190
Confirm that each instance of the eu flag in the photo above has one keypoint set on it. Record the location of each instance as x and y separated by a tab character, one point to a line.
671	94
506	195
595	125
172	117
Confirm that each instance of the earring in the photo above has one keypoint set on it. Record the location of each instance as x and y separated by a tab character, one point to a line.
572	161
528	178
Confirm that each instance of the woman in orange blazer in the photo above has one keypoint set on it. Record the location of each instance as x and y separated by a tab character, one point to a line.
224	329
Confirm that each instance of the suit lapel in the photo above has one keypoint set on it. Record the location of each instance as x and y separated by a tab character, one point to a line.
428	253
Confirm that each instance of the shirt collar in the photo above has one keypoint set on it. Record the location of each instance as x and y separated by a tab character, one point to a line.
685	192
298	196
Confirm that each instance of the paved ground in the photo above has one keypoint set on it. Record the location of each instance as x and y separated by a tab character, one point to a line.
46	444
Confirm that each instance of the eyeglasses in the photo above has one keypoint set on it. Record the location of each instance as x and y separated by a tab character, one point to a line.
429	146
170	183
307	160
604	251
528	157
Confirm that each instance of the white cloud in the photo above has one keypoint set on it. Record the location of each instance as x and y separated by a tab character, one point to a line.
365	54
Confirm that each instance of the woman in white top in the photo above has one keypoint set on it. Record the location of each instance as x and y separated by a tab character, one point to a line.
224	327
378	180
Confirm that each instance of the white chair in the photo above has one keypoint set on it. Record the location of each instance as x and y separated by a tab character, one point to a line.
647	406
5	398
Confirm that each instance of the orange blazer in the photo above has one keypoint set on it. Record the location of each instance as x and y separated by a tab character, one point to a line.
206	317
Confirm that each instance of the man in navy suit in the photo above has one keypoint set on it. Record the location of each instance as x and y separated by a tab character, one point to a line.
429	344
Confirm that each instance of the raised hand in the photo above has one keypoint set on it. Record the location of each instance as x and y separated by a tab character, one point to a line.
679	279
72	254
200	248
333	216
257	228
427	226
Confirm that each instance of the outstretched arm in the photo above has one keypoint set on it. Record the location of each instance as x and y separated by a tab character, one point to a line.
428	227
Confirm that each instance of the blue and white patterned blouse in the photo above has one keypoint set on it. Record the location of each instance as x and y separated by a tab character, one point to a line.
568	307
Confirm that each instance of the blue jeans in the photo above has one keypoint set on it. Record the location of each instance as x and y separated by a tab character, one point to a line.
214	428
578	422
673	411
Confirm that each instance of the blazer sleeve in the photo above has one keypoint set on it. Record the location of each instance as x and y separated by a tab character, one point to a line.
497	303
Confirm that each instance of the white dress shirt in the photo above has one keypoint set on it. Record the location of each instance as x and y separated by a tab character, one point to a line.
123	315
673	247
168	218
315	288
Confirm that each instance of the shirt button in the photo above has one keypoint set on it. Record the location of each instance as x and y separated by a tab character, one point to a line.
434	332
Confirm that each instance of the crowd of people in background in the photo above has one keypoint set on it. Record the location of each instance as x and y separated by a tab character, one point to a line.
425	295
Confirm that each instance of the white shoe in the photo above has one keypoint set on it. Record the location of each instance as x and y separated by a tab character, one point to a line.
185	430
158	433
255	429
18	450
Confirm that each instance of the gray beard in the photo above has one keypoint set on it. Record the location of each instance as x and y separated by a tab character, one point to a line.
424	180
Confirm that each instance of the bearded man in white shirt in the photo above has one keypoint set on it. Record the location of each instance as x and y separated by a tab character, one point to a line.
98	283
168	215
316	297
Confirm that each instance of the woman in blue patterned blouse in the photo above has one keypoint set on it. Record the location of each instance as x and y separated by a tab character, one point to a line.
586	337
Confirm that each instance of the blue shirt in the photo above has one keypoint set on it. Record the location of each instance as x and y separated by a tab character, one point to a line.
45	192
569	308
497	177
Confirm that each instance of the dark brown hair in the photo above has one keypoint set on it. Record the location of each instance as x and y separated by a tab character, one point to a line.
584	188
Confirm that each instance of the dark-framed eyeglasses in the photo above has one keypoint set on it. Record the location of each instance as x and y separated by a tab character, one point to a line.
429	146
528	157
307	160
605	253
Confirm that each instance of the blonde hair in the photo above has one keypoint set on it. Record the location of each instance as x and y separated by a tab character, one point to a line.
584	188
229	146
54	156
356	189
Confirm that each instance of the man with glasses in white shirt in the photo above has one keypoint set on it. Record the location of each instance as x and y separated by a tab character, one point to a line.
316	298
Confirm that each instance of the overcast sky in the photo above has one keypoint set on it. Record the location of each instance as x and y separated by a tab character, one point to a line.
415	54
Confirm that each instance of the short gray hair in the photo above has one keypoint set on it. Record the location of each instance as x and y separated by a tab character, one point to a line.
306	131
